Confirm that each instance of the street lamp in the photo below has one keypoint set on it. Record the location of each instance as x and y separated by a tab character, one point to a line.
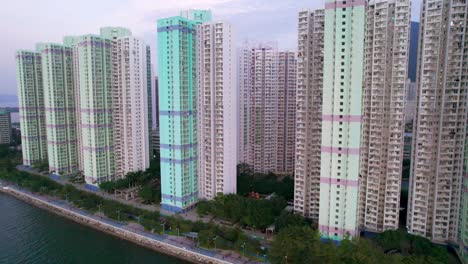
118	212
243	248
214	239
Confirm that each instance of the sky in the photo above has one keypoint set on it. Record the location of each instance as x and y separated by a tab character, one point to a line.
23	23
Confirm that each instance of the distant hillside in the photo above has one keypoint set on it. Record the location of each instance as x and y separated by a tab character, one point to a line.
8	100
413	55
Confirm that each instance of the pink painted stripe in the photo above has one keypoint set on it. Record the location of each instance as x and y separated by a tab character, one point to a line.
349	3
346	182
342	118
63	142
339	150
340	231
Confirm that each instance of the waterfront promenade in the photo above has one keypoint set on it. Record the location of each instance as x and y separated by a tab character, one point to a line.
129	231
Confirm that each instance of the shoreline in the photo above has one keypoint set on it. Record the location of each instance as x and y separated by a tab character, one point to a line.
152	244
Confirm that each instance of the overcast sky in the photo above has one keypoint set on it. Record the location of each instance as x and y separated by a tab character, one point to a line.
26	22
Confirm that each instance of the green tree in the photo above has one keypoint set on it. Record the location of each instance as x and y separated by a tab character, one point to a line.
287	219
301	244
149	194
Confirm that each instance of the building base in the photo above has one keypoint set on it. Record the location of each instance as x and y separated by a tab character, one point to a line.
177	210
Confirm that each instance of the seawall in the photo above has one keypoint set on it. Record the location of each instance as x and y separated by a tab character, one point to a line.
146	242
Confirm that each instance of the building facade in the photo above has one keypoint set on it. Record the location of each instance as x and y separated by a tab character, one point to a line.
437	165
341	118
383	122
267	84
92	56
5	127
177	73
217	110
149	93
309	113
286	133
410	105
31	106
59	102
130	106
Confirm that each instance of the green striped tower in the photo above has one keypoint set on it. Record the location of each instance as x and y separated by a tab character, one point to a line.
59	101
177	68
31	106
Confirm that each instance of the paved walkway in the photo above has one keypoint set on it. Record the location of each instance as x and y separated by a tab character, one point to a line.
180	242
191	215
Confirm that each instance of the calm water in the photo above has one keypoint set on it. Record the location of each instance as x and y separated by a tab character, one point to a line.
32	235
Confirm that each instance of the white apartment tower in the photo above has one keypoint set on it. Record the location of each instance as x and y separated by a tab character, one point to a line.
383	122
217	109
260	106
130	105
267	84
244	81
439	139
309	113
287	79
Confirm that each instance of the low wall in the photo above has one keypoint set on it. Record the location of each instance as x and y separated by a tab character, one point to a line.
155	245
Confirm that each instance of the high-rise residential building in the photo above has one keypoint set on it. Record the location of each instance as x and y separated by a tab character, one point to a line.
264	102
438	153
463	240
155	130
130	105
177	73
5	127
31	106
217	109
92	55
149	85
257	68
410	105
244	81
155	140
59	102
383	121
309	112
286	133
156	101
341	118
264	112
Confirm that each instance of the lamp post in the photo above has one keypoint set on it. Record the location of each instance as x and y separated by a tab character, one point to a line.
118	212
243	248
214	239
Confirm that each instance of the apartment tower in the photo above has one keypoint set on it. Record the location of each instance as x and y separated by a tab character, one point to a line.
437	165
286	133
383	123
177	73
341	118
31	106
149	85
59	102
92	55
5	127
217	109
130	105
309	113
